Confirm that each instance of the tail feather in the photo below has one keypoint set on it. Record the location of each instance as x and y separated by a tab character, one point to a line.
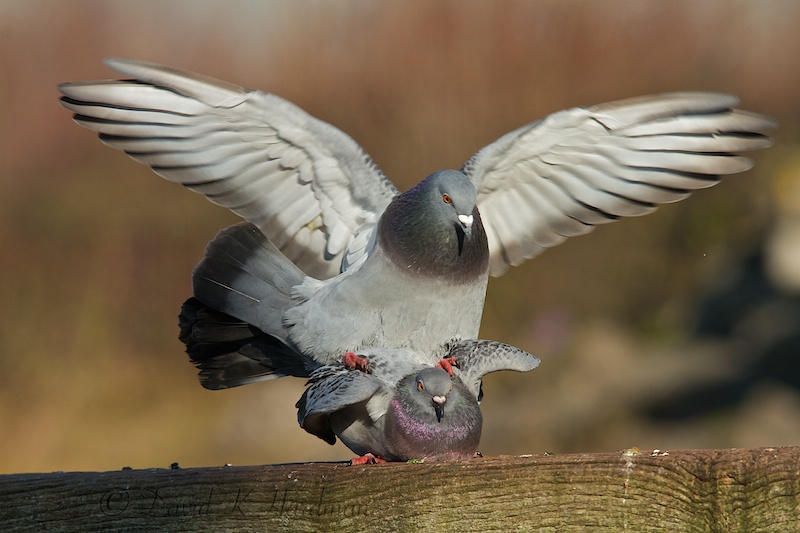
230	353
245	276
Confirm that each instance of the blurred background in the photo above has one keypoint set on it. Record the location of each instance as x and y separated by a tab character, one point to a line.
677	330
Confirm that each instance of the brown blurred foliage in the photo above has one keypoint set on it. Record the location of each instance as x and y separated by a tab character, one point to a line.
97	250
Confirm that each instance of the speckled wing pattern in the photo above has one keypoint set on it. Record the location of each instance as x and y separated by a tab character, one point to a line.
392	365
332	388
476	358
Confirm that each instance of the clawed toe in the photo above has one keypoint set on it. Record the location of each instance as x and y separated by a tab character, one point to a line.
366	459
447	364
355	362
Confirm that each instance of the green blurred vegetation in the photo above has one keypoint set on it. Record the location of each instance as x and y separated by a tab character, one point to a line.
97	250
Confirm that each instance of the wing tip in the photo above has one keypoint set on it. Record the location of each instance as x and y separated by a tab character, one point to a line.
207	89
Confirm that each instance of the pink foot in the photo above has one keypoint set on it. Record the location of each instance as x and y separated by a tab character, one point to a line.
447	364
366	459
354	362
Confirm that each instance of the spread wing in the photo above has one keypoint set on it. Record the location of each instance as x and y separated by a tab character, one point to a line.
476	358
308	186
575	169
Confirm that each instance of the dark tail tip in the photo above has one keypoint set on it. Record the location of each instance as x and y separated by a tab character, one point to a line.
229	352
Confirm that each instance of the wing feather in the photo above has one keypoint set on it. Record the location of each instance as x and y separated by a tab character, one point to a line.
587	166
262	157
476	358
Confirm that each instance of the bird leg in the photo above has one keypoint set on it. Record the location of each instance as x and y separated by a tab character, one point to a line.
447	364
355	362
366	459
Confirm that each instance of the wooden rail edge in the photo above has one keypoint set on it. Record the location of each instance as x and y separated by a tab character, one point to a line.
687	490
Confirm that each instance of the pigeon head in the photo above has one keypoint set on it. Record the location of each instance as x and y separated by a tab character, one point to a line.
432	416
455	197
435	229
430	390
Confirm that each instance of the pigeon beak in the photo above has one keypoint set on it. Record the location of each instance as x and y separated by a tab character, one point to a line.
438	406
466	224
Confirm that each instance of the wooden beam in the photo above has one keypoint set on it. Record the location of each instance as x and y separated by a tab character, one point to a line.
687	490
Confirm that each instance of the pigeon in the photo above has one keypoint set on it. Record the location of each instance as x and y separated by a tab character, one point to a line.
255	336
390	406
384	404
333	258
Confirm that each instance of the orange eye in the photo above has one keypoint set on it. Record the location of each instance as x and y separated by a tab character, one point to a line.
446	199
420	386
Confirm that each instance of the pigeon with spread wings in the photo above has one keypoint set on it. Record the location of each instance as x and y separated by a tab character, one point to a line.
373	267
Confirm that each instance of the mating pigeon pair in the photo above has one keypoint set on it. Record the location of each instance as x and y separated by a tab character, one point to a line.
384	403
334	259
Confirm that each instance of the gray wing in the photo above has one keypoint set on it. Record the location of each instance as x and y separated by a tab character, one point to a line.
392	365
333	388
308	186
578	168
476	358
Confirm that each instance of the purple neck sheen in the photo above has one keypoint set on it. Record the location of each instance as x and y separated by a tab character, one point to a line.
418	430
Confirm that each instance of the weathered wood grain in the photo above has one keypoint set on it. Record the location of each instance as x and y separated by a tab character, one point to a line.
690	490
